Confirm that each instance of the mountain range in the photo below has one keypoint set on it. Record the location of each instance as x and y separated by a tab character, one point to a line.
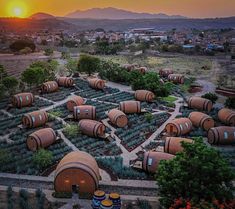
114	14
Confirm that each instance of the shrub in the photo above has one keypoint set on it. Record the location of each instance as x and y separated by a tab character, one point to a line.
212	97
88	64
42	158
22	44
10	83
4	157
71	130
198	173
148	117
33	76
230	102
48	52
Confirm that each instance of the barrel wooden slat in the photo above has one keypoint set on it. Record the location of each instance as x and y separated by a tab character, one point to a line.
96	83
176	78
144	95
222	135
74	101
79	169
41	139
22	100
179	127
65	81
118	118
35	119
200	103
129	107
84	112
92	128
227	116
202	120
49	87
152	160
173	144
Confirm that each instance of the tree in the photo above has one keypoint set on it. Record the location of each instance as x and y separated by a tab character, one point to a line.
72	65
10	83
22	44
212	97
230	102
198	173
33	76
88	64
42	158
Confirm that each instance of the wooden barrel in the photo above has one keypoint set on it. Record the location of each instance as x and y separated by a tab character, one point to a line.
65	81
41	139
173	144
74	101
106	204
202	120
200	103
128	67
152	160
227	116
144	96
77	169
84	112
96	83
176	78
116	200
49	87
92	128
165	72
222	135
142	70
118	118
178	127
98	197
22	100
35	119
130	107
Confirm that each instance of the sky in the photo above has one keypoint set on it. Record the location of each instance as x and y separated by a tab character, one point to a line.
189	8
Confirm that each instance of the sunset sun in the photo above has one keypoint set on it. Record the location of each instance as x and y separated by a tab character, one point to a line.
17	9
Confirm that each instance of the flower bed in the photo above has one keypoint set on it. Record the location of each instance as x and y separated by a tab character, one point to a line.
7	124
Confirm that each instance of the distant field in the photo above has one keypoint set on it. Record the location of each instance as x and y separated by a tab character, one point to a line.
190	65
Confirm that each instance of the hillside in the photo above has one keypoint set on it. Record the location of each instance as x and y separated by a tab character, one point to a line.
41	16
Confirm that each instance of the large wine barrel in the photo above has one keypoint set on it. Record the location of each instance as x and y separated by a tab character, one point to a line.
144	96
142	70
65	81
96	83
92	128
165	72
222	135
202	120
41	139
115	198
35	119
178	127
106	204
49	87
98	197
227	116
176	78
77	169
118	118
130	107
152	160
173	144
74	101
128	67
84	112
200	103
22	100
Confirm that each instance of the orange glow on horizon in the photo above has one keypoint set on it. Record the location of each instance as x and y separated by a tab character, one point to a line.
17	8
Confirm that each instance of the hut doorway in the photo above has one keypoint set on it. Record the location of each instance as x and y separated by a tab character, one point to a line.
75	189
171	129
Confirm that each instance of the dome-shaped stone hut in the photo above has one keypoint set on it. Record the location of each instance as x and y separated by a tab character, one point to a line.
74	101
35	119
144	95
22	100
118	118
179	127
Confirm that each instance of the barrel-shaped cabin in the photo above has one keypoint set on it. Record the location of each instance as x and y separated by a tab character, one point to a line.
35	119
179	127
222	135
84	112
141	70
144	95
174	144
165	72
176	78
92	128
130	107
201	120
74	101
49	87
199	103
77	171
118	118
22	100
96	83
227	116
65	81
152	160
41	138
